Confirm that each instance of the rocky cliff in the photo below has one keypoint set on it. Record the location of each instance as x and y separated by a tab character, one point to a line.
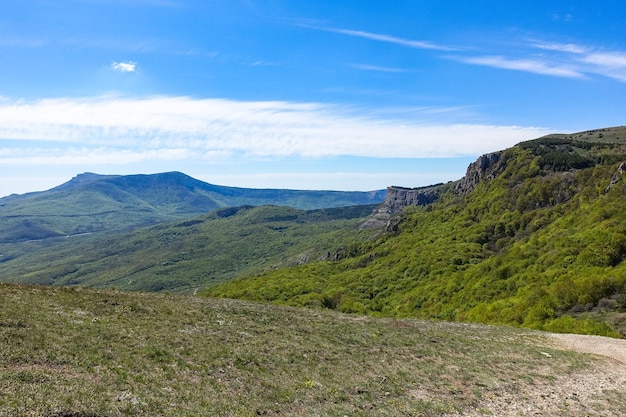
399	197
617	176
486	167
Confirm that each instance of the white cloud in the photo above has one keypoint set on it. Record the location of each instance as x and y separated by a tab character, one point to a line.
525	65
182	127
378	68
125	66
607	59
386	38
607	64
561	47
570	60
587	60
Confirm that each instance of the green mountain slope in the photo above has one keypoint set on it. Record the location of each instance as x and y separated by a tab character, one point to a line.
188	254
78	352
539	240
95	203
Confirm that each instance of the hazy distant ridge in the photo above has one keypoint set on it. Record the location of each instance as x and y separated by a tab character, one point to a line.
91	202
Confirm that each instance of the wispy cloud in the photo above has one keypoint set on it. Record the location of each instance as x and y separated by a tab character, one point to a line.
125	66
608	64
526	65
266	64
379	68
568	59
182	127
392	39
561	47
410	43
609	59
589	60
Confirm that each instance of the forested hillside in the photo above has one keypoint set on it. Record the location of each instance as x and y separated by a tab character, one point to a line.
539	241
189	254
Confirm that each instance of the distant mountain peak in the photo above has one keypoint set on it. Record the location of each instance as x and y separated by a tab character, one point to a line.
92	202
83	179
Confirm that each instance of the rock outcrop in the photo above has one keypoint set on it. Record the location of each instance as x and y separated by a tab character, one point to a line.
486	167
399	197
617	176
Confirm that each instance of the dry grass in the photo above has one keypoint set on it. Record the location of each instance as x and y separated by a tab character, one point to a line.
78	352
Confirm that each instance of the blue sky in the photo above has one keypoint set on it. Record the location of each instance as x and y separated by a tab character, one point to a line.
324	94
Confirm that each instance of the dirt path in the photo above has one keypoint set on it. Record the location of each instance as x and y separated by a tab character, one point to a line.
582	394
598	345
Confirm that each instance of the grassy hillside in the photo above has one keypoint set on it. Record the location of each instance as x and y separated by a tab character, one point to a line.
79	352
606	135
99	203
541	245
188	254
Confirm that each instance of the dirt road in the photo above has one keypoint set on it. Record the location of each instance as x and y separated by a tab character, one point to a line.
598	345
566	396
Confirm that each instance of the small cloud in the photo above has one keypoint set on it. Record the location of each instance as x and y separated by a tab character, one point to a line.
588	60
565	17
608	64
524	65
410	43
390	39
265	64
125	66
607	59
378	68
561	47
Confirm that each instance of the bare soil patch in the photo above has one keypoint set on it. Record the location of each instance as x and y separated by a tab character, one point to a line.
576	394
598	345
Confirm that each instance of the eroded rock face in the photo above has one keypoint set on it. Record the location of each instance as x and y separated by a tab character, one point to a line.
486	167
399	197
617	176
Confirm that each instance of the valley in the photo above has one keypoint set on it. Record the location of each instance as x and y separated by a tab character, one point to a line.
283	208
369	310
532	236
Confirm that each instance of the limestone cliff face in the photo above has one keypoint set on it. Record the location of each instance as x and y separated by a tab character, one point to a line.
399	197
486	167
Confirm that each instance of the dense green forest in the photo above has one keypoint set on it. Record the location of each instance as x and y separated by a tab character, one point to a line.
541	245
188	254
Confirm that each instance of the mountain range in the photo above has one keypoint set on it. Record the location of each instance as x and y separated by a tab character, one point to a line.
531	236
102	203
